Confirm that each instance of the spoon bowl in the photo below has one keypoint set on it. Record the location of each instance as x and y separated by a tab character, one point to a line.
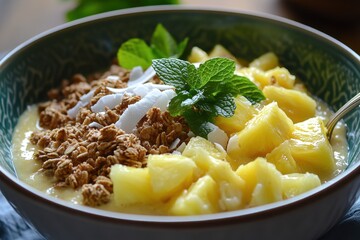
336	117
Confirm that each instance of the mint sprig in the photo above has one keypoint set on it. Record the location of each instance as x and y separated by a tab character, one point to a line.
136	52
206	92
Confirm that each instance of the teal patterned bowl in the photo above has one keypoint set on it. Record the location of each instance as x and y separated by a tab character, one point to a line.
329	69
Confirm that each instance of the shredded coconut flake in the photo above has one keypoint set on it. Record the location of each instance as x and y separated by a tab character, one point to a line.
147	76
95	125
136	73
109	101
141	90
134	88
181	148
132	115
217	135
174	144
84	100
87	97
74	111
164	99
112	78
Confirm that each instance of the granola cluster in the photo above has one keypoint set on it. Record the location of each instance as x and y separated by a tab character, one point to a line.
79	155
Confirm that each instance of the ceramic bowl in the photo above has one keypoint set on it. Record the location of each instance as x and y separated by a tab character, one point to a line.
329	69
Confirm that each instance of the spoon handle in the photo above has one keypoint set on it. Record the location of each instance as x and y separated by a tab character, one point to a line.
350	105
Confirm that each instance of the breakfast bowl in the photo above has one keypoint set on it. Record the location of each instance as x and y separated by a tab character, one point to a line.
329	70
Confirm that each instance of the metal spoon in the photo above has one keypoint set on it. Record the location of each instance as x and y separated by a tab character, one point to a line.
345	109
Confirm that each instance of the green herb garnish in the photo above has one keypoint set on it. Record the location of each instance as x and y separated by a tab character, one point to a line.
136	52
206	92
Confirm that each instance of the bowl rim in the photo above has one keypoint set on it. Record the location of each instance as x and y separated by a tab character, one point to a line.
183	8
242	215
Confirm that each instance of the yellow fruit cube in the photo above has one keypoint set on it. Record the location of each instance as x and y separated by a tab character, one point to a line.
230	184
262	182
265	62
197	143
282	158
297	183
277	76
220	51
170	174
311	149
255	75
202	157
201	198
281	77
267	130
131	185
297	105
198	55
243	113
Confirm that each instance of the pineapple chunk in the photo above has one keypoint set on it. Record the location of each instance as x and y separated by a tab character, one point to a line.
198	55
265	62
203	161
170	174
282	158
204	158
197	143
131	185
311	149
203	153
230	184
201	198
262	182
281	77
220	51
256	75
298	106
277	76
243	113
297	183
267	130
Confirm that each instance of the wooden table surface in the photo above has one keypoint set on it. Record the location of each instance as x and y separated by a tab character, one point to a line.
23	19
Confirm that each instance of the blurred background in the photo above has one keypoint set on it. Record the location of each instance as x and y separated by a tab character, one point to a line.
23	19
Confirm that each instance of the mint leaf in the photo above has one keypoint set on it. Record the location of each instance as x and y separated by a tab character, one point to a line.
174	72
198	123
193	78
206	107
221	105
194	99
216	70
135	52
175	108
204	129
224	105
239	85
163	43
181	47
213	88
